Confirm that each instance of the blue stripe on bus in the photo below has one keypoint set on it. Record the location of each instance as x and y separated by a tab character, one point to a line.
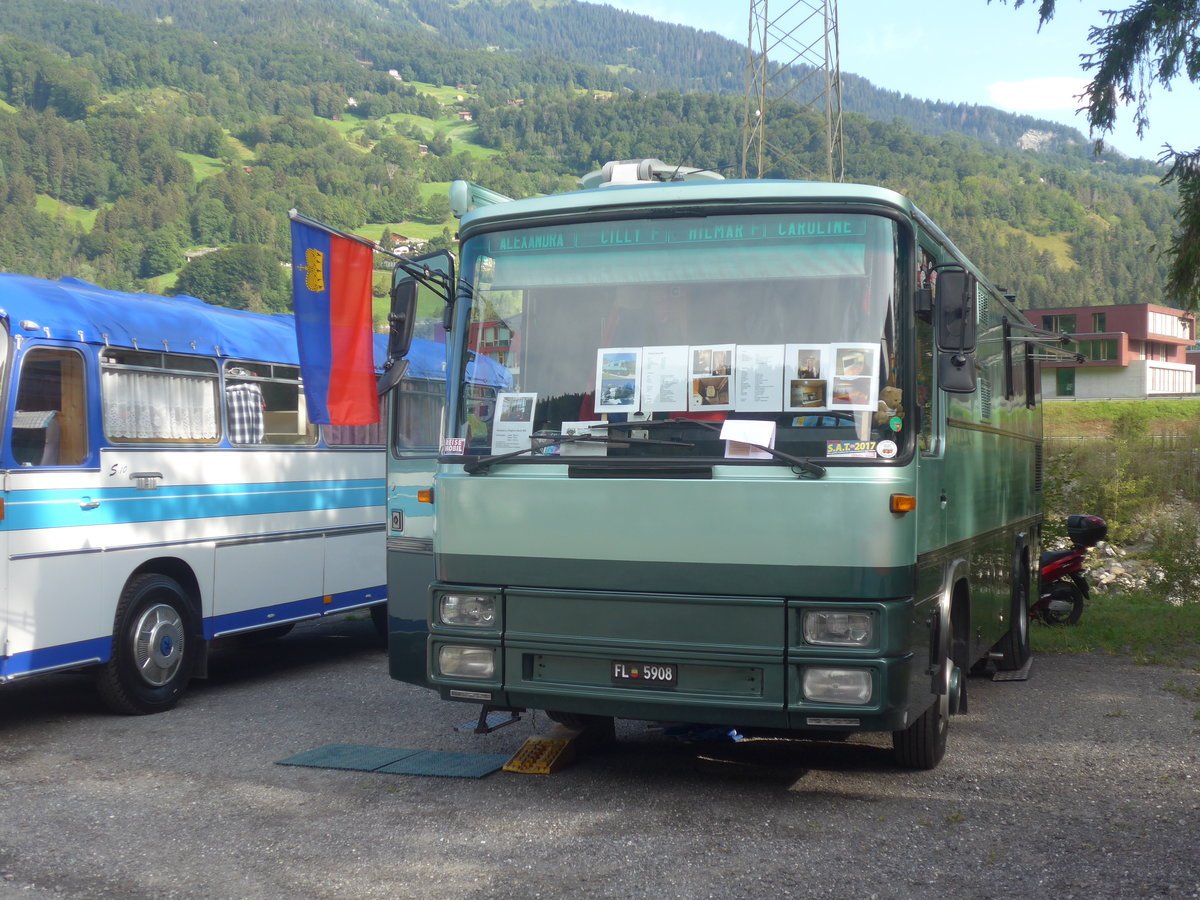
296	609
61	508
62	656
88	652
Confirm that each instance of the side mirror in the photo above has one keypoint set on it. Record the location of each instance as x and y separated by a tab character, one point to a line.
956	311
955	325
423	279
401	320
956	372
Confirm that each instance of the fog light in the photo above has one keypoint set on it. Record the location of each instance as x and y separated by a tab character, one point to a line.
839	629
469	610
467	662
849	686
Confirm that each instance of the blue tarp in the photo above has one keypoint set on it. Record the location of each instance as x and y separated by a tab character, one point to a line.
75	310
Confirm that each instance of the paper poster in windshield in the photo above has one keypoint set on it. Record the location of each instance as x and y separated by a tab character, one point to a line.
855	382
758	377
513	426
806	372
664	379
583	448
618	374
711	377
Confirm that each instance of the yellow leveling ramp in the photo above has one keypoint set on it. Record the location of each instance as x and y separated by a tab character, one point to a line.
545	753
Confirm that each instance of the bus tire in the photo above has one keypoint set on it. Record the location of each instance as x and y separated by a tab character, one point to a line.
379	618
923	743
1014	646
154	650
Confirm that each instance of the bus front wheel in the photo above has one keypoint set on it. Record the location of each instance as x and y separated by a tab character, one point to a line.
154	647
923	743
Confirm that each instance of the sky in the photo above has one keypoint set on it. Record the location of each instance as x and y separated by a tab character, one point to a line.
967	51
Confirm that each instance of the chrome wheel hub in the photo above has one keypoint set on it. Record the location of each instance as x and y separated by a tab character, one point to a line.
158	643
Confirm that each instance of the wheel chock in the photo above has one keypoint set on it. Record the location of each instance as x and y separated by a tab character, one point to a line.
1021	674
545	753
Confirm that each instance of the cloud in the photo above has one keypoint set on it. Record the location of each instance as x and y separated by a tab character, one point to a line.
1038	94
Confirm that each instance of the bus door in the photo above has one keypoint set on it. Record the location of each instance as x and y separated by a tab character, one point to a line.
46	509
930	420
416	406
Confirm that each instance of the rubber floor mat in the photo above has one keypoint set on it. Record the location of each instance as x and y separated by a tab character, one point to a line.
437	762
397	761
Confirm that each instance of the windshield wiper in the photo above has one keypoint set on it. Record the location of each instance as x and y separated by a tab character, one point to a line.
484	462
806	466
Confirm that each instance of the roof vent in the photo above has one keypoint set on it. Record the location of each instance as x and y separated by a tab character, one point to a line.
645	171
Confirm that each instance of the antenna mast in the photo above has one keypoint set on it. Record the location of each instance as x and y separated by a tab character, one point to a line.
792	68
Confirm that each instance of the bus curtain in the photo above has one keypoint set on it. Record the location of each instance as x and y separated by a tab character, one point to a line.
158	406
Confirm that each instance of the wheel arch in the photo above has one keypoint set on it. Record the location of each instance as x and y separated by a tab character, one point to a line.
953	619
180	572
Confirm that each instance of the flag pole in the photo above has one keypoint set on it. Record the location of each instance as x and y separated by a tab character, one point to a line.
424	273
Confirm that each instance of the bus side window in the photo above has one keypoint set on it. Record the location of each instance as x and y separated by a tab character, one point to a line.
49	425
265	405
372	435
925	362
417	418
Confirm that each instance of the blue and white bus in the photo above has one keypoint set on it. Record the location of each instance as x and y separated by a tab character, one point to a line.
162	487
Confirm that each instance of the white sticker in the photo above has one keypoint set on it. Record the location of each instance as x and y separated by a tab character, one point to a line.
886	449
454	446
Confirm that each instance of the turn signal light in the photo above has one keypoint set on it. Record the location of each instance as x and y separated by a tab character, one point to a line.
903	503
425	495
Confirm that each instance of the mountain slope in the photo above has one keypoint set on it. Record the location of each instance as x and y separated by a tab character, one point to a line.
133	132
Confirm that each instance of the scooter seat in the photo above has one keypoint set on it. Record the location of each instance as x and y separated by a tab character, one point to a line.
1049	556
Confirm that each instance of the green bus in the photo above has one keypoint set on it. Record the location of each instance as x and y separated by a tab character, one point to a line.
768	455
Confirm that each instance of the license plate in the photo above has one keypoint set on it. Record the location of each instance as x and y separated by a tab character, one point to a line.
643	674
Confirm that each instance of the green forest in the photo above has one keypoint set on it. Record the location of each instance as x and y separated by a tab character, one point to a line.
158	144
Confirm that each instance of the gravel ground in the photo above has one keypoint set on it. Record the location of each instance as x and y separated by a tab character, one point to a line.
1080	782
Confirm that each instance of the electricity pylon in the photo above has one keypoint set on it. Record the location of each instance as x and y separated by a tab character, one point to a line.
792	67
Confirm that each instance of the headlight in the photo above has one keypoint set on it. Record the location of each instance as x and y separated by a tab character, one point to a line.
470	610
467	662
849	686
839	629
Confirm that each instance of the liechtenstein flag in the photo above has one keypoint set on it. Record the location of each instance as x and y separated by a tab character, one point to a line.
331	294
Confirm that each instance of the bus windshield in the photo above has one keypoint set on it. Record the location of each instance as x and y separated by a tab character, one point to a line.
773	329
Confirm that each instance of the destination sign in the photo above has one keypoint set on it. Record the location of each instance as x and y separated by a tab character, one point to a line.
656	233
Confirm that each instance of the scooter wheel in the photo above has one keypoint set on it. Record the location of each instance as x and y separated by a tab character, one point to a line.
1064	605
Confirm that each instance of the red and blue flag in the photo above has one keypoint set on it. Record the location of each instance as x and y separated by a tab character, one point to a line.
331	294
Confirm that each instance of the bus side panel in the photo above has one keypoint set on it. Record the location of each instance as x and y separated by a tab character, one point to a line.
253	575
410	567
57	612
410	572
353	561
